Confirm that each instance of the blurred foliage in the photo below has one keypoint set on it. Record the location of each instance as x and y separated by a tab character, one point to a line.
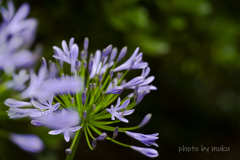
193	50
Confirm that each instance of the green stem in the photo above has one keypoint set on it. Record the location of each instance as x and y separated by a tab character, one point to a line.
108	138
74	145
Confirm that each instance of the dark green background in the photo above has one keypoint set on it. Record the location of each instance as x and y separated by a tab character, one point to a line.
192	48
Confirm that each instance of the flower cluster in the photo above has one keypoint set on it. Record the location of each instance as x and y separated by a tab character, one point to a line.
72	98
81	103
16	35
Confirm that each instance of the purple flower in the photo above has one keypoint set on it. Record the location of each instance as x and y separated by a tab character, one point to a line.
68	54
16	33
116	112
15	103
27	142
144	87
45	107
147	139
62	122
149	152
18	82
114	90
134	62
16	113
43	88
145	120
134	82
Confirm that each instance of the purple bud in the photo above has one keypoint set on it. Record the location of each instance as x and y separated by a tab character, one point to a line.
113	54
106	51
94	85
122	54
83	97
68	151
102	137
90	65
94	144
82	55
84	64
115	132
85	43
100	78
111	74
145	120
115	90
85	46
84	114
78	65
72	101
90	86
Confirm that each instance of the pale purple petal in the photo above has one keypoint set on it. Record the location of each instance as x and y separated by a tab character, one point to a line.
149	152
55	132
27	142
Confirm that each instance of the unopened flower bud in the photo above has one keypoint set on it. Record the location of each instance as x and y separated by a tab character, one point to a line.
82	56
85	64
113	54
115	132
84	114
85	46
90	86
90	65
122	54
84	97
100	78
111	74
102	137
145	120
94	144
68	151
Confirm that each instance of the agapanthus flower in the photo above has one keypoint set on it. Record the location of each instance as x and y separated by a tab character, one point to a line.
18	82
147	139
116	111
85	104
16	34
45	107
62	122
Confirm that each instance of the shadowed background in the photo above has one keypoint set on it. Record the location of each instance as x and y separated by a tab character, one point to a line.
192	48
